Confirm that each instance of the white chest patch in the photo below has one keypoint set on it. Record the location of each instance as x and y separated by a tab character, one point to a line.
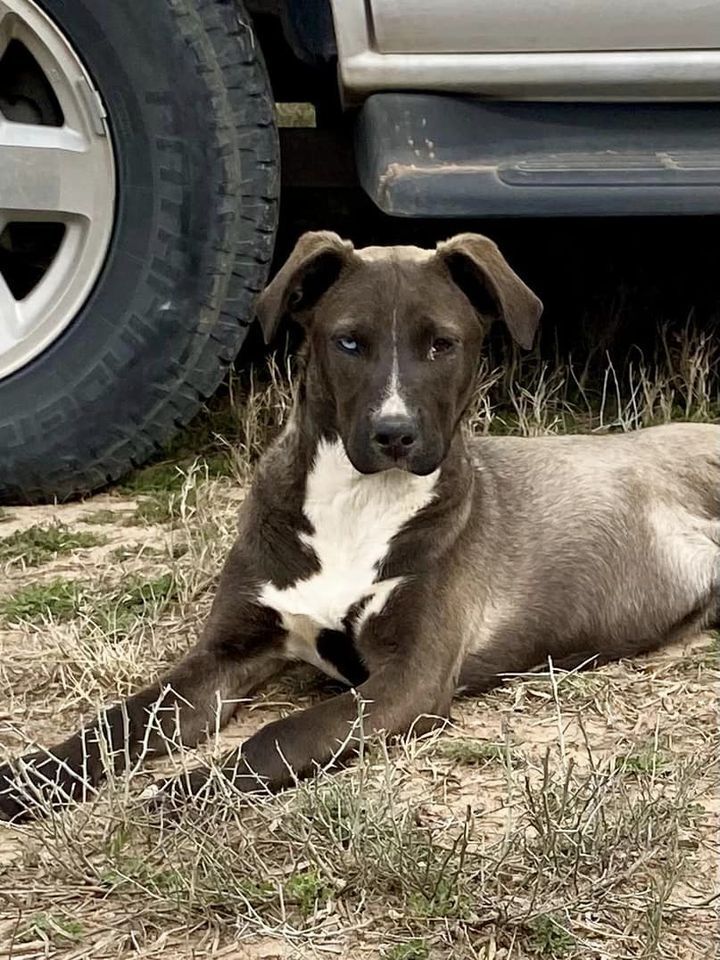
354	518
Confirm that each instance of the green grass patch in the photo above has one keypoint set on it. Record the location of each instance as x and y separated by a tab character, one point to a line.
118	611
134	870
58	600
548	938
39	544
412	950
440	897
308	891
649	760
159	478
168	477
102	517
474	753
56	927
158	487
115	611
158	508
221	465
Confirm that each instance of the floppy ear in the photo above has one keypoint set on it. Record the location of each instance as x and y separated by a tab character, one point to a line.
478	268
310	270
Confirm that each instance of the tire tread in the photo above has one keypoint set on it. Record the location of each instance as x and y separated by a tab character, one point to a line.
224	54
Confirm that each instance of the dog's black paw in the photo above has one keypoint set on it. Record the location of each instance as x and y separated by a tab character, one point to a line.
197	787
36	784
170	797
12	809
16	804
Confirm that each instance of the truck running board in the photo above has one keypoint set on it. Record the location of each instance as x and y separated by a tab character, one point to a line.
440	156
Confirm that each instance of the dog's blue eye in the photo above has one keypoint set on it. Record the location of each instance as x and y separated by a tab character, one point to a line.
348	344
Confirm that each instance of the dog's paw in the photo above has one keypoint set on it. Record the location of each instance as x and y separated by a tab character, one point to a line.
12	809
36	784
197	787
169	797
16	804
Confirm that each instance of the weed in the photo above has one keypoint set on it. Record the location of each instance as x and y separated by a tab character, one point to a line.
103	517
38	544
55	927
160	506
475	752
157	508
56	600
295	114
158	478
136	872
116	611
650	759
159	487
412	950
549	938
308	890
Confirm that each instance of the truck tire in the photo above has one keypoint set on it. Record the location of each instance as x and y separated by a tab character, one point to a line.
179	90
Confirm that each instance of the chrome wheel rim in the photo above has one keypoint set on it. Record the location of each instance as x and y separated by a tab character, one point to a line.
57	184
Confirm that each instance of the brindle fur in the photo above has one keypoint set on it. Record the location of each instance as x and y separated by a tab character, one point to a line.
576	548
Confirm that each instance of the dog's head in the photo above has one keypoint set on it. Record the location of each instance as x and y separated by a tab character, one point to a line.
393	338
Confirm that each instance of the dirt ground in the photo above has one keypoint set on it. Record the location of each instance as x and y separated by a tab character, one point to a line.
561	816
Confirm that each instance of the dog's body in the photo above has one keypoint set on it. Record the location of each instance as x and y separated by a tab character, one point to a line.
550	547
380	546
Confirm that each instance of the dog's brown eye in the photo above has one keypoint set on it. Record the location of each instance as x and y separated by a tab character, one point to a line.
440	345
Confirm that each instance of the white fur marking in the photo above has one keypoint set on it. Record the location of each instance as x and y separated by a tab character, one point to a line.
376	603
354	518
393	403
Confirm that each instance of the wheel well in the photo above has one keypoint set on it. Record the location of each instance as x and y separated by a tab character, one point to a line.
297	39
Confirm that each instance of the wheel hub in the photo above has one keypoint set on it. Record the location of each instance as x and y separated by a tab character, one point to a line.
57	183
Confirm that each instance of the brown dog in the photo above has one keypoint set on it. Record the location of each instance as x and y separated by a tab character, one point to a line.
379	546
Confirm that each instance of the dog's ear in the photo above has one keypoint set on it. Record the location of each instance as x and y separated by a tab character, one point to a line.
478	268
310	270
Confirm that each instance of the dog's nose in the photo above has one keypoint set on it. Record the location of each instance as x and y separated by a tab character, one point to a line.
395	436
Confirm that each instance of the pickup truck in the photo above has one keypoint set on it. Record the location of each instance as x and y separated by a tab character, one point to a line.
140	173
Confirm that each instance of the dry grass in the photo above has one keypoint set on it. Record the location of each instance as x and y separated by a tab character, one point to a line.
530	394
563	816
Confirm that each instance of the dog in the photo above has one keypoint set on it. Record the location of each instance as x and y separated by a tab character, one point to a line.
381	546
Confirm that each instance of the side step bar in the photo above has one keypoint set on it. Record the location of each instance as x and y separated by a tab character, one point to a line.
440	156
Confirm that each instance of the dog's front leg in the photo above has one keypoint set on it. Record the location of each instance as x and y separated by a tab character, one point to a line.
409	690
239	649
296	746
